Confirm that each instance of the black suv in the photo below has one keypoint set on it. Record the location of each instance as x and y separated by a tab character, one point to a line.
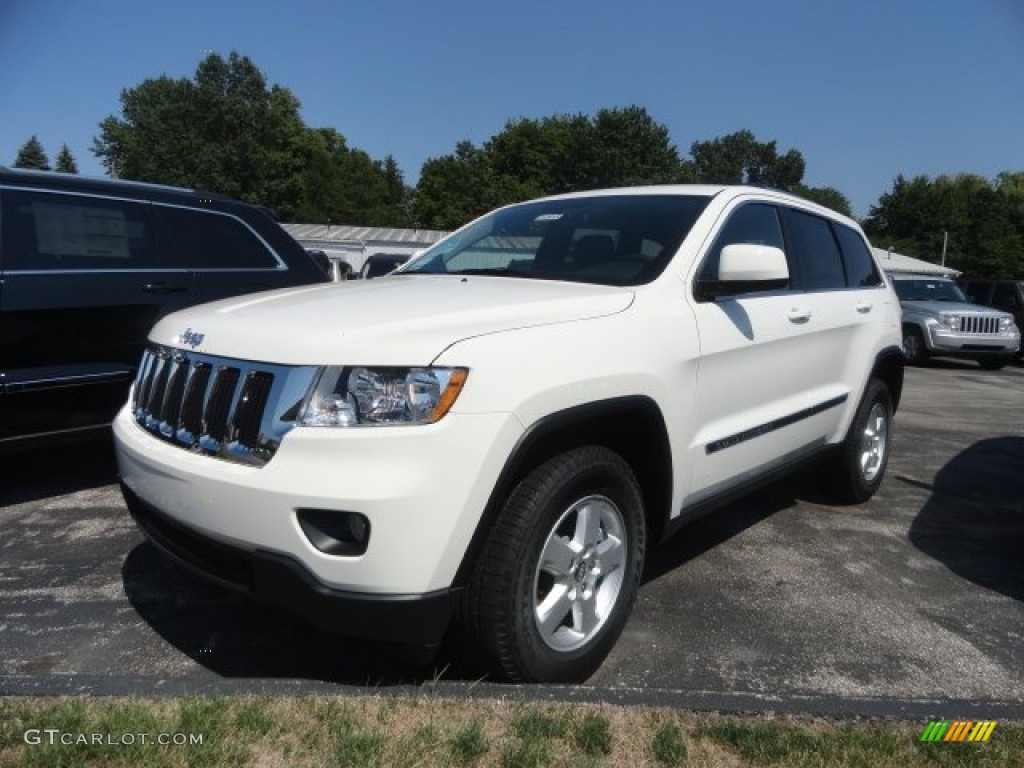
88	265
1007	295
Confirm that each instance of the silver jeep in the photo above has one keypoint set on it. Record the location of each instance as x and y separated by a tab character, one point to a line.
938	320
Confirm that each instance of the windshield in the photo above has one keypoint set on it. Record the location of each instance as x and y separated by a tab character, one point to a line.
928	290
611	240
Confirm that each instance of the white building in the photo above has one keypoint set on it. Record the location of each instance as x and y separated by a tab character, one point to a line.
356	244
897	263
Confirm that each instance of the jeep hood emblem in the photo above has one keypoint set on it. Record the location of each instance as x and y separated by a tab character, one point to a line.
191	338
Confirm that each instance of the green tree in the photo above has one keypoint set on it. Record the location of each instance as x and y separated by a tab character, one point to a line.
830	197
66	161
740	158
32	155
454	189
979	223
228	131
529	158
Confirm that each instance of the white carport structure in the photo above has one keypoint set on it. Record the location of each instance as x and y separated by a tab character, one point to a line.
897	263
356	244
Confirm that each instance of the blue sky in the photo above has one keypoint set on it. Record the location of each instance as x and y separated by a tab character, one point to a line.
865	90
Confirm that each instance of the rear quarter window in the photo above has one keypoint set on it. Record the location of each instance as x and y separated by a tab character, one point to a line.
210	240
857	262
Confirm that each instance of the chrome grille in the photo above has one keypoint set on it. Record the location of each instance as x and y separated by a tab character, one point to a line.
979	324
231	409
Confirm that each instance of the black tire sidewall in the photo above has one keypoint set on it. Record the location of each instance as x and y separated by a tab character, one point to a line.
921	354
859	488
576	475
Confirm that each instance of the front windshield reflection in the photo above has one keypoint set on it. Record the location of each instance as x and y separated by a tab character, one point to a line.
606	239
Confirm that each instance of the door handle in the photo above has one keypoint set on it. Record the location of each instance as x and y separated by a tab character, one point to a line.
864	307
799	315
165	288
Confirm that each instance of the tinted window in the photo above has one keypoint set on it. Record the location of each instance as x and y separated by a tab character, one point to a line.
927	289
857	261
977	292
821	267
215	241
58	232
755	223
1005	297
606	239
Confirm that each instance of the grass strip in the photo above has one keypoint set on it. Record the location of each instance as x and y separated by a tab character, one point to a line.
422	732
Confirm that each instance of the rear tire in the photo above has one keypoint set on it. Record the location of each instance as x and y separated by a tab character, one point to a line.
559	573
856	471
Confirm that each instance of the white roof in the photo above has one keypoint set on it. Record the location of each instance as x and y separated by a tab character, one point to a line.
899	263
420	238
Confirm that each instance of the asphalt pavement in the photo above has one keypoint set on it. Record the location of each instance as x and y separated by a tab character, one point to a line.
909	605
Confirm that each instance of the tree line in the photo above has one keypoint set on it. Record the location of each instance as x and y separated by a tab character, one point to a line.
33	155
227	130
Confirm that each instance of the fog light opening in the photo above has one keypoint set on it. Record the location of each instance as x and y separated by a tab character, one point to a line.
335	532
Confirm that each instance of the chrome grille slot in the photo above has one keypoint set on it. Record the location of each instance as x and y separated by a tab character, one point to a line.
140	392
979	324
191	419
155	395
245	424
231	409
170	406
218	407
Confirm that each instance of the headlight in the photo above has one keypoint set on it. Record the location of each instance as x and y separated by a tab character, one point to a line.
353	396
1005	324
952	322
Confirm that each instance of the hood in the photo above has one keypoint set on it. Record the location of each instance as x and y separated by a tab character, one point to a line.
396	320
950	307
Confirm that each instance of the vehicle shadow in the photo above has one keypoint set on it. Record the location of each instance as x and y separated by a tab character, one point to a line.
704	534
973	522
42	473
234	636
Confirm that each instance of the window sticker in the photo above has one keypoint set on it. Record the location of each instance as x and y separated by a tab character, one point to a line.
64	230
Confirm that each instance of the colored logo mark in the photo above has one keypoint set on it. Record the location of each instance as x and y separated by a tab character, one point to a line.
958	730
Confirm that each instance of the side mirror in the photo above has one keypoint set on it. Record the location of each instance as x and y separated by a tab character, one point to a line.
746	268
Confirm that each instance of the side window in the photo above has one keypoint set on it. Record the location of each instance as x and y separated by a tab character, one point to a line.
208	240
755	223
49	231
857	261
977	293
821	266
1005	297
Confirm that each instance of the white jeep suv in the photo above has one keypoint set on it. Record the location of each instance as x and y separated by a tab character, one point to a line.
499	431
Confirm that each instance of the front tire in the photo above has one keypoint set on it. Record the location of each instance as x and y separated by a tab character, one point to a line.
559	573
914	349
995	364
857	469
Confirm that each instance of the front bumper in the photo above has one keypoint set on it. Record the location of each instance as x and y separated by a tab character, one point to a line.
283	582
422	489
942	341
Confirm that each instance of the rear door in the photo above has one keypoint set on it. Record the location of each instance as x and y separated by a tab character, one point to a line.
84	279
227	255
